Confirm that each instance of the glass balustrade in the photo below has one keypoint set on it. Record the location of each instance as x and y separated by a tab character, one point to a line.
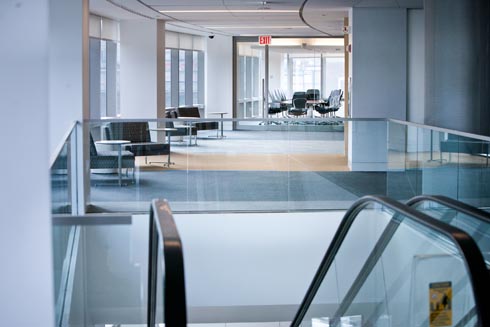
62	176
279	164
473	221
386	268
425	160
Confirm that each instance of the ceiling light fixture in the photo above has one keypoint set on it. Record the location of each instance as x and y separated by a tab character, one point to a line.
255	27
224	11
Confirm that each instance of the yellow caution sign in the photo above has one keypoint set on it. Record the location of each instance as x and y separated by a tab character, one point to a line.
441	302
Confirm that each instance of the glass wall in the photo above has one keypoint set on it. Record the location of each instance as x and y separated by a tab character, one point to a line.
250	76
292	65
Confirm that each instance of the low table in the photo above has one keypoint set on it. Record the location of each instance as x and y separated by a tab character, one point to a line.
119	144
167	131
221	113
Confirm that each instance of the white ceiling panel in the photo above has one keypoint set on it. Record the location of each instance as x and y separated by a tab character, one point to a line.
323	15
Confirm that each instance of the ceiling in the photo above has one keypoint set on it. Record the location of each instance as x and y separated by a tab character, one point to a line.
227	17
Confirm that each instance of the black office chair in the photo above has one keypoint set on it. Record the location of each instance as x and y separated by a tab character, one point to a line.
298	95
313	94
299	107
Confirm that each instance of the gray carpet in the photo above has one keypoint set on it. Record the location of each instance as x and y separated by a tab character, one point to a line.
326	190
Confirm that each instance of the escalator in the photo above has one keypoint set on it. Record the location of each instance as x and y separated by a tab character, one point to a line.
392	265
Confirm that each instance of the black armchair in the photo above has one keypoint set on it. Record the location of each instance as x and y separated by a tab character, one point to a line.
138	134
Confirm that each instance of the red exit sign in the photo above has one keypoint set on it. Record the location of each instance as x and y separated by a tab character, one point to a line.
265	39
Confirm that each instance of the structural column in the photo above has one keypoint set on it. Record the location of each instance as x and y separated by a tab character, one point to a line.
142	68
457	65
26	284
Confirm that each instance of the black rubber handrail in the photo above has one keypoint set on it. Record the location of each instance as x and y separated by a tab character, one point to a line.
453	204
470	211
162	227
472	256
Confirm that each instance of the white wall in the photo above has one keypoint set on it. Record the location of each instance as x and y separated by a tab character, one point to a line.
26	284
139	67
68	64
231	261
219	77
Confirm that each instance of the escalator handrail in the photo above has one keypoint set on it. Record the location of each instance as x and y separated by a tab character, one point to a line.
453	204
467	247
163	227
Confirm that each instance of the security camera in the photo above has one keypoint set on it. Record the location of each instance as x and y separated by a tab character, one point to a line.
211	36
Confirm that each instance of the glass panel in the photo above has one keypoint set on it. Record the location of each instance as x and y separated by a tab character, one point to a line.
396	282
277	166
108	277
63	241
250	75
61	174
426	161
478	229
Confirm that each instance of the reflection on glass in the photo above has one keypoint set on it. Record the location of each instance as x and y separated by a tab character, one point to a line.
477	228
391	286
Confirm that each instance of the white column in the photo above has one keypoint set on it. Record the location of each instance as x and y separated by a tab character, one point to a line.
69	94
26	284
142	68
68	64
219	76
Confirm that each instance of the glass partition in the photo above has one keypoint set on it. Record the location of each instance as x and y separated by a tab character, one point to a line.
279	166
434	161
101	270
384	282
62	173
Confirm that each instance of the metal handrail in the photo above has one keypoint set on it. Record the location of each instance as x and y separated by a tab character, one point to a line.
162	227
467	247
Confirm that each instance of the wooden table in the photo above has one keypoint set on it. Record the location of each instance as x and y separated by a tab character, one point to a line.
119	144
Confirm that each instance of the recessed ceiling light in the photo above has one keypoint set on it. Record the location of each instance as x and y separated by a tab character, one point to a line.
224	11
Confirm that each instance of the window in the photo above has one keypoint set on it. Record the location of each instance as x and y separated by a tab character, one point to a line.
104	67
168	80
184	69
306	74
184	77
195	78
